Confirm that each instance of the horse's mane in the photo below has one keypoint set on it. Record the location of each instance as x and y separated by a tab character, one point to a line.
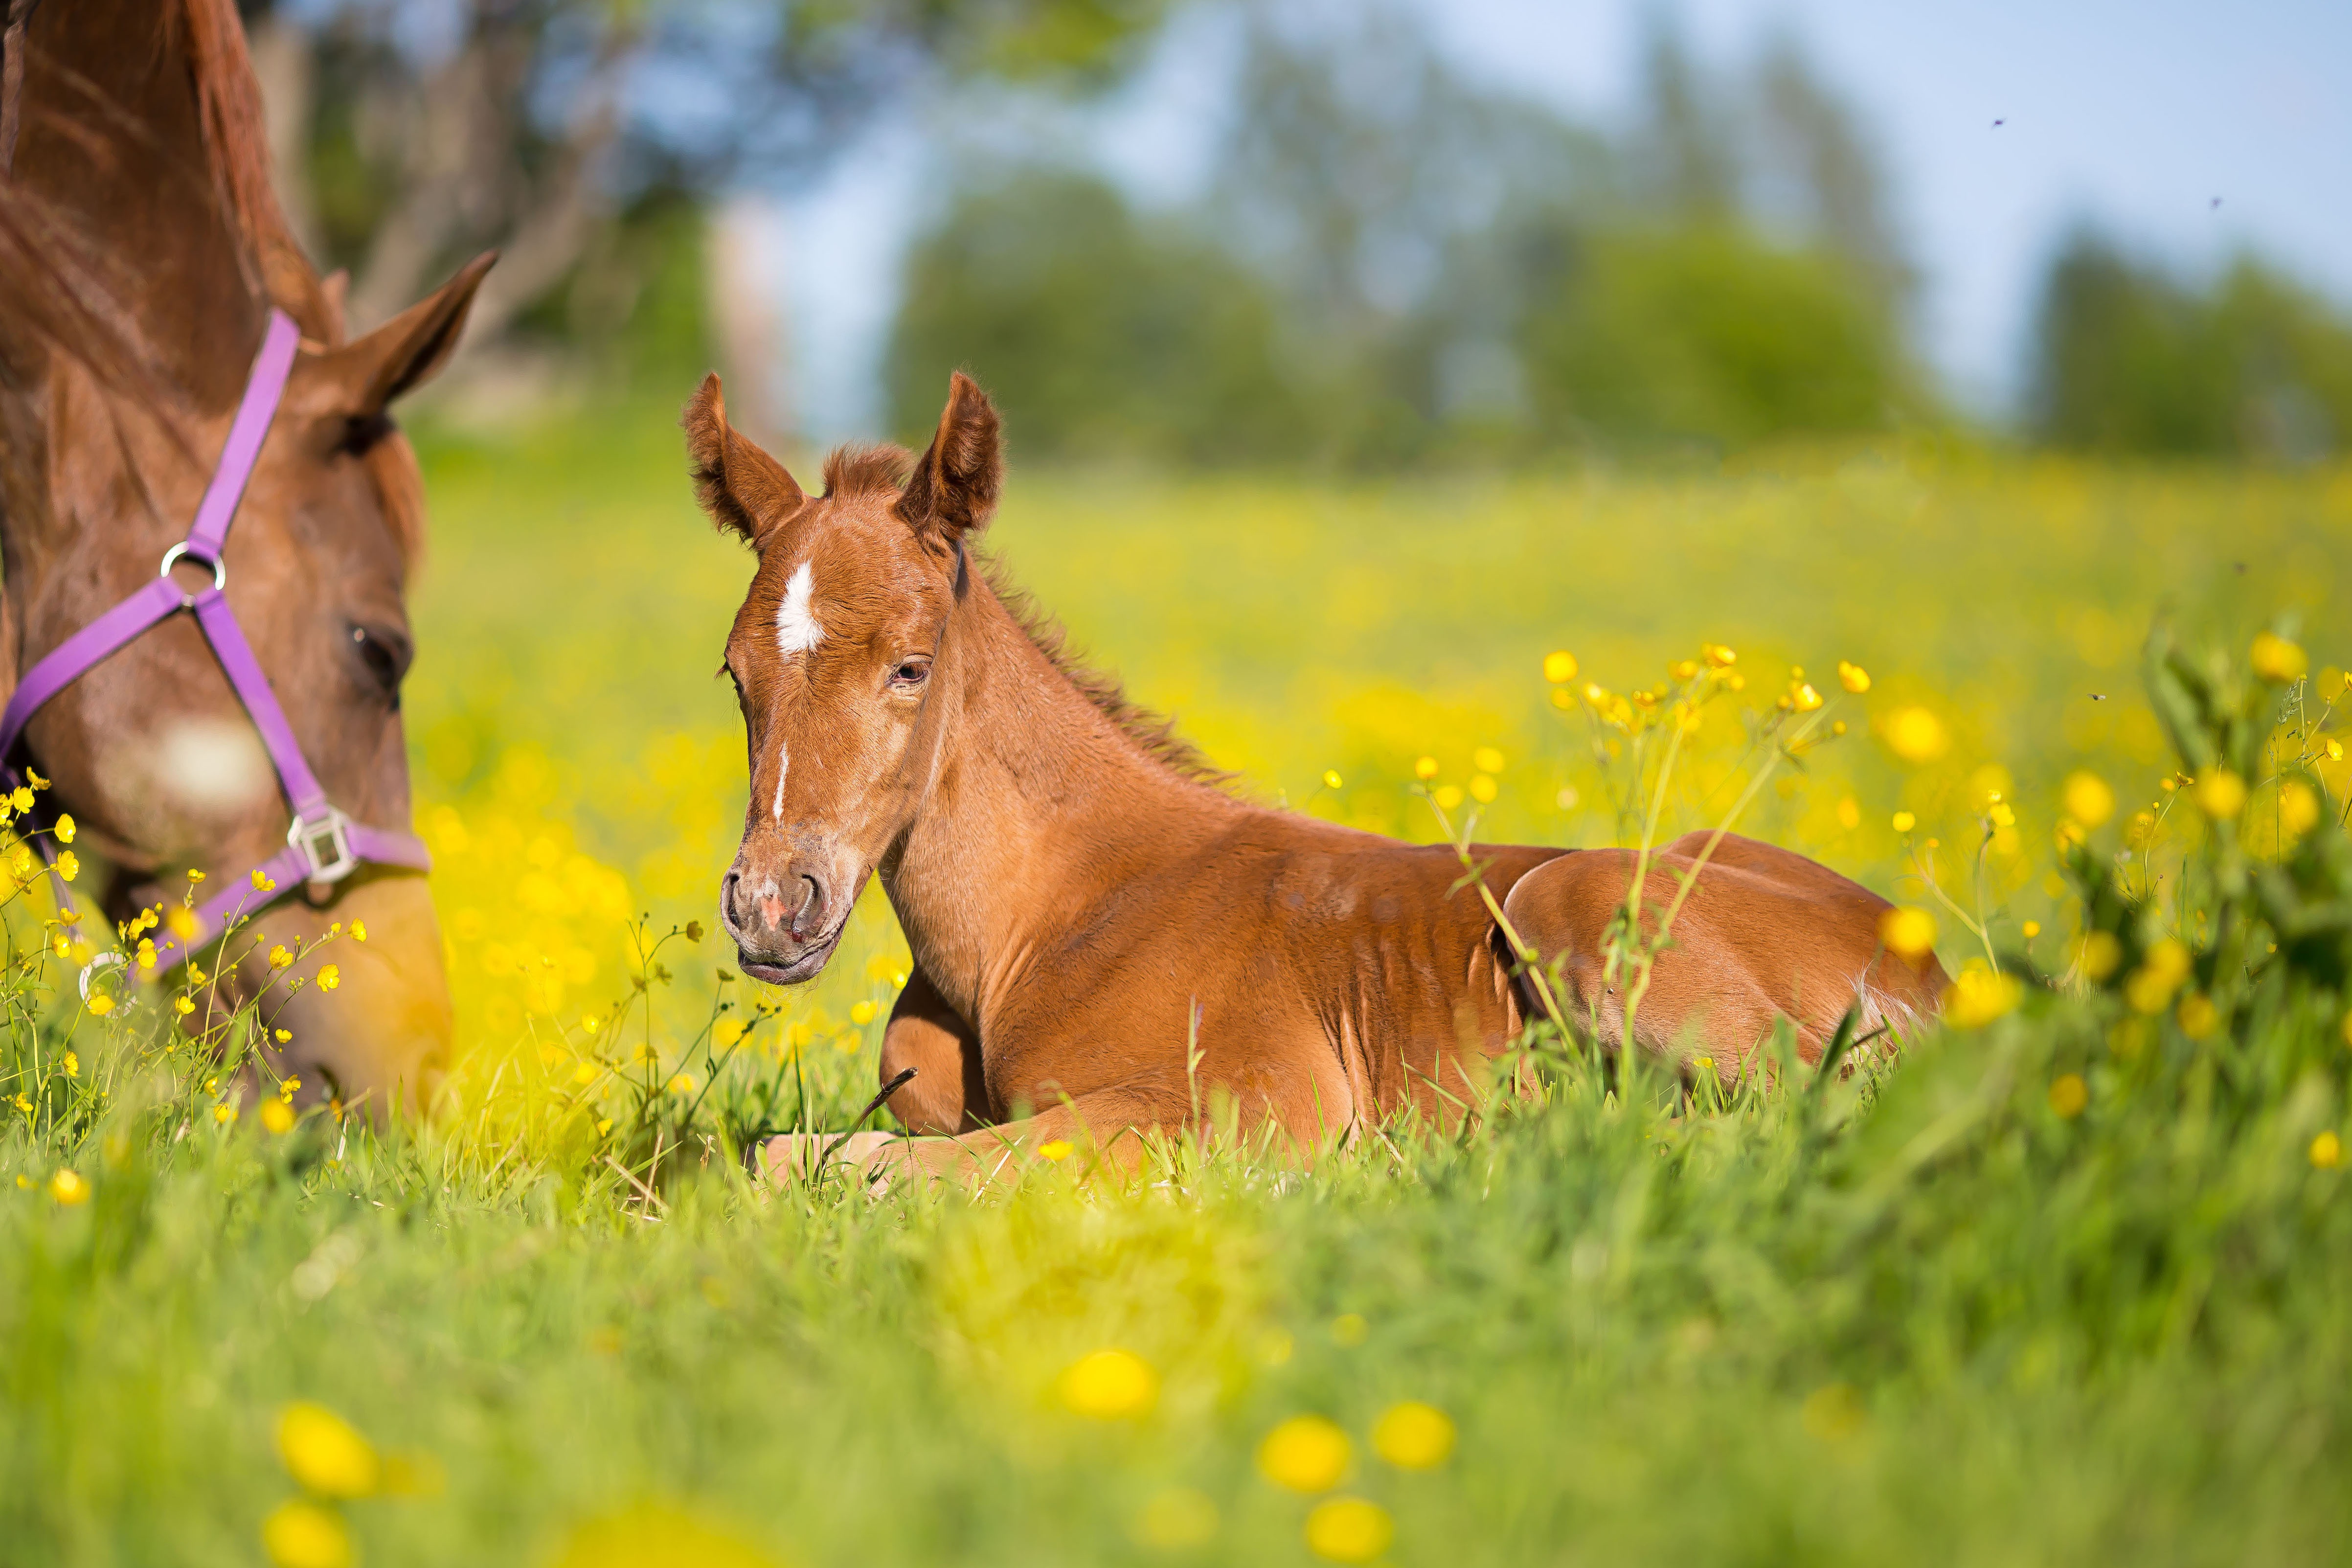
1153	731
76	303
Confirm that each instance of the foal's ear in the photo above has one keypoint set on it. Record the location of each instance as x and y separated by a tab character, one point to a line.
740	486
361	378
954	487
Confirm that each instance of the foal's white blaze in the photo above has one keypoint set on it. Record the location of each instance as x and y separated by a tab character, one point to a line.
797	631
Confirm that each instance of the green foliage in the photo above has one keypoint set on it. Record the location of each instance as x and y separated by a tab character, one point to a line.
1099	334
1710	334
2128	359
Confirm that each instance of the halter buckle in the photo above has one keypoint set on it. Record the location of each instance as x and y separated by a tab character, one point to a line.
172	558
325	841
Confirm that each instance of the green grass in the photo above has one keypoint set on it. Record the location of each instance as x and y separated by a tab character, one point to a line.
1914	1316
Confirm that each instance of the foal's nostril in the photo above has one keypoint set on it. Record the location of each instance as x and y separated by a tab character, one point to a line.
810	916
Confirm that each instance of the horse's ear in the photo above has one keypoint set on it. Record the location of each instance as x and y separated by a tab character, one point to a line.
361	378
955	483
740	486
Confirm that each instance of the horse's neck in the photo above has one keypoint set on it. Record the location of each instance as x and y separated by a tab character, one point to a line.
114	144
1041	805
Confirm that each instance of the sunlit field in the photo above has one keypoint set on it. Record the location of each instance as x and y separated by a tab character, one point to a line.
2066	1285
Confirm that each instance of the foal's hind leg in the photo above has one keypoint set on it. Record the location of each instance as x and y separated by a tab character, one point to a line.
1765	934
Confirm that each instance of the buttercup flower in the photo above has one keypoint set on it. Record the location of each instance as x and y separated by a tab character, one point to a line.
1305	1454
68	1187
329	977
1917	736
300	1534
2277	660
325	1454
69	864
1057	1151
1110	1385
279	958
277	1116
1559	667
1907	932
65	828
1350	1530
1413	1436
2088	798
1853	677
2220	793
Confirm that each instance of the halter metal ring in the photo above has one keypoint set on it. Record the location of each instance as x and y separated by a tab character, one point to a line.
325	841
172	558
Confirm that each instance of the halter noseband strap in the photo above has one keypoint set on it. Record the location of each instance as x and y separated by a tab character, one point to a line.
323	845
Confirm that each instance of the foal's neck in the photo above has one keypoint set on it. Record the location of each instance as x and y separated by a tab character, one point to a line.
1042	803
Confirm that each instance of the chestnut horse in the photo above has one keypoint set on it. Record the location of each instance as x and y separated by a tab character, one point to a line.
141	257
1105	940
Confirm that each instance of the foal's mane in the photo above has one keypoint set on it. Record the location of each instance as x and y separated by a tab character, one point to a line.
881	469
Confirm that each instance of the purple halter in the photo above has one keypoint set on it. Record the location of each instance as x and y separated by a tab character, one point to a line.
323	845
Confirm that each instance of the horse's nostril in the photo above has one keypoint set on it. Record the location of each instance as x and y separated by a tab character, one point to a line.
811	914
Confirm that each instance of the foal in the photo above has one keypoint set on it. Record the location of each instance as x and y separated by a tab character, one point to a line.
1103	937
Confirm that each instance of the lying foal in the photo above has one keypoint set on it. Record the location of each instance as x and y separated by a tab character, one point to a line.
1087	908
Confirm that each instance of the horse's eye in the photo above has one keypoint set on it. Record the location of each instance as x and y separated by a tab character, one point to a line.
911	673
384	653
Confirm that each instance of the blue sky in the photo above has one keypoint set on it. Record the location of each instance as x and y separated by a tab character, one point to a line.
2135	115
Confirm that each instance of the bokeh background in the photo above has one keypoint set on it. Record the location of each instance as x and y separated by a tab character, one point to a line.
1353	356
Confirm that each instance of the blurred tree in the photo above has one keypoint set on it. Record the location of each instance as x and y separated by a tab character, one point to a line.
1708	333
2129	358
415	134
1099	335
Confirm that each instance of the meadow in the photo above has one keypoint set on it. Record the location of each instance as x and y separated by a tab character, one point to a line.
2064	1286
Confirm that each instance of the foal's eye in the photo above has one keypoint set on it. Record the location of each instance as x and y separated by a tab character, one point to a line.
910	673
384	653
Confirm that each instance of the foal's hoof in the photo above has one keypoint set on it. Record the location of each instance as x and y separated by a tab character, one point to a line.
796	1156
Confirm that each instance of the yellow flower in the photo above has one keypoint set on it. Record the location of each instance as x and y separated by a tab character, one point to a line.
2277	660
1487	760
2099	952
359	930
277	1116
2198	1015
1331	778
584	1073
1559	667
1917	736
225	1112
2220	793
325	1454
329	977
1425	768
22	799
603	1126
290	1087
1413	1436
1717	656
1349	1530
194	875
861	1013
1056	1152
727	1031
2335	750
24	1106
65	828
2001	815
1905	822
1306	1453
1563	698
2088	798
1683	668
1908	931
38	781
261	883
183	1006
1853	677
282	1036
68	1187
682	1083
1979	997
2149	990
1110	1385
71	1063
69	864
2298	808
2327	1152
300	1534
100	1005
2068	1095
279	958
1482	789
1449	796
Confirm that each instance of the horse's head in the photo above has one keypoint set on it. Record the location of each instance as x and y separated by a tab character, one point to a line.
844	658
140	257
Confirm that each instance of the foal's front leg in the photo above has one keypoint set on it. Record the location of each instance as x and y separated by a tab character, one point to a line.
1106	1127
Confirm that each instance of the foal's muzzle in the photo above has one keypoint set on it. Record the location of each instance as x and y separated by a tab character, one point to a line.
785	923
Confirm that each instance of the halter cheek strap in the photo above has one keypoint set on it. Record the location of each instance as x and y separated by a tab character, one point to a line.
322	846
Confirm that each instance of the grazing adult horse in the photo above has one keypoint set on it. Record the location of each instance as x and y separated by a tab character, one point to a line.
170	364
1104	938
